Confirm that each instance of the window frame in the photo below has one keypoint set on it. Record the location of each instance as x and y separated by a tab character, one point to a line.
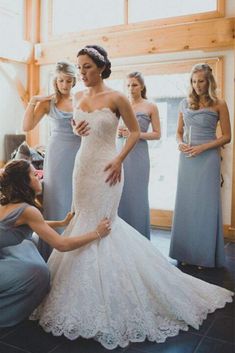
219	12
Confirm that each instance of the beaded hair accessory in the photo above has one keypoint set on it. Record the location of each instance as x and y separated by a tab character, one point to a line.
94	53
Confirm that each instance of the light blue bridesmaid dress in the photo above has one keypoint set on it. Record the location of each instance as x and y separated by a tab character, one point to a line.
134	204
24	275
58	168
197	232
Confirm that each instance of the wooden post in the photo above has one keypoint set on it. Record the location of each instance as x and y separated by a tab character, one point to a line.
32	33
232	228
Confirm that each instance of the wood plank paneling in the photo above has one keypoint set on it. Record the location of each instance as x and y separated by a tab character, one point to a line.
203	35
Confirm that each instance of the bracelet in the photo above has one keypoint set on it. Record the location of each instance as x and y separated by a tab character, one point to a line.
98	234
30	103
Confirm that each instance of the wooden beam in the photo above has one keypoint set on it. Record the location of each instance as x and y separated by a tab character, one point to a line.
232	228
171	67
207	35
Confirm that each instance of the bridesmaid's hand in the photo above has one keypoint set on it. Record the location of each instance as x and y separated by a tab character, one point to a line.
68	218
119	133
194	151
114	168
81	128
125	132
103	228
183	147
37	99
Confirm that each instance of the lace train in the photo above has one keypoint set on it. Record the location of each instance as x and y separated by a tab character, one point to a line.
116	296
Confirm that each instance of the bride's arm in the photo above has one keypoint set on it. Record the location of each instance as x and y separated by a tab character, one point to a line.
125	110
129	118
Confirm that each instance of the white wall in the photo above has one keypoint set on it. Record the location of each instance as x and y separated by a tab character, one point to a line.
11	107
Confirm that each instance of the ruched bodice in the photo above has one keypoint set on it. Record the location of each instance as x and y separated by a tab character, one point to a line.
143	120
202	123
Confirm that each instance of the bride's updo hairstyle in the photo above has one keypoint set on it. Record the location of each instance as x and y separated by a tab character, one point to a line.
14	183
99	56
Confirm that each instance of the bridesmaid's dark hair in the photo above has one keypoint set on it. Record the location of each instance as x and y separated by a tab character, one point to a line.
99	56
14	183
139	77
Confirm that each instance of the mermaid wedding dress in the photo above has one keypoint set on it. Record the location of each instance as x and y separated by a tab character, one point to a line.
118	289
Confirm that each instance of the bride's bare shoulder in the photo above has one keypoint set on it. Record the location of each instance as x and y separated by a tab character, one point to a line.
117	94
78	95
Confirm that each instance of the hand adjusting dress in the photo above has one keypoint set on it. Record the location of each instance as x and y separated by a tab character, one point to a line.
121	288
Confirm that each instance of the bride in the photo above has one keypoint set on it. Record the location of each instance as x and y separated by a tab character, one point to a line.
121	289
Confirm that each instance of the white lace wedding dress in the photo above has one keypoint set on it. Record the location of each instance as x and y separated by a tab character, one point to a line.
121	288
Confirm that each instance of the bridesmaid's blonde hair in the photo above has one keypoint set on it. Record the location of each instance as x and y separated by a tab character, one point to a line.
65	68
211	97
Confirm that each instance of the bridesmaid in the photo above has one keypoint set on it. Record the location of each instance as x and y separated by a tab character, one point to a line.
24	274
197	233
62	146
134	204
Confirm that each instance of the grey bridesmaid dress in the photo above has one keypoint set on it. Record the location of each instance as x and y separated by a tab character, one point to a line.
58	168
197	232
24	275
134	204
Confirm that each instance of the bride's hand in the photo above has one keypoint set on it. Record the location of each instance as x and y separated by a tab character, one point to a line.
103	228
81	128
114	168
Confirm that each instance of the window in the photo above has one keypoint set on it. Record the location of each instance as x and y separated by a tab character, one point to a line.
75	16
139	10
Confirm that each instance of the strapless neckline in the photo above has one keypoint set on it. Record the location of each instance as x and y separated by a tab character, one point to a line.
97	111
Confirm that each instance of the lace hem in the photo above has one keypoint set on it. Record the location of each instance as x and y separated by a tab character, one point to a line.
120	333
